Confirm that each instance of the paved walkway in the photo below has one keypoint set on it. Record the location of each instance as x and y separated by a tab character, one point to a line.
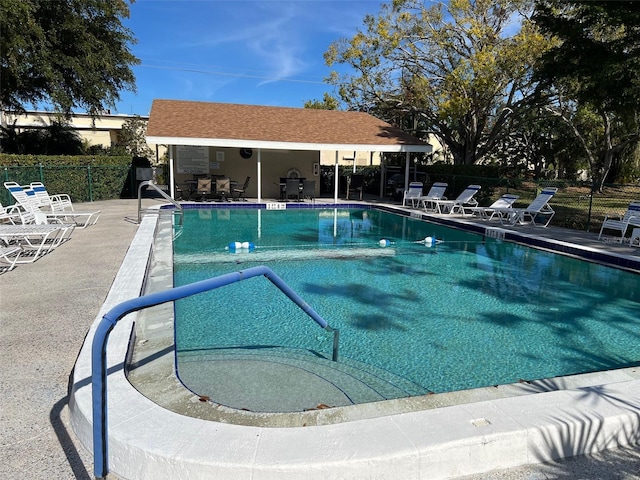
46	309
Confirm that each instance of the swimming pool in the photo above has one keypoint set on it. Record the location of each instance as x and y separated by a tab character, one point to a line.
158	429
468	312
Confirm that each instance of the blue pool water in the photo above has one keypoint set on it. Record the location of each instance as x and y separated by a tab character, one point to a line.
465	313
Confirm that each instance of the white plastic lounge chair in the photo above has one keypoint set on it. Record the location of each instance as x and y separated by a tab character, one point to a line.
464	200
436	192
9	257
488	213
34	240
536	210
30	218
9	214
53	203
622	223
26	198
413	194
634	241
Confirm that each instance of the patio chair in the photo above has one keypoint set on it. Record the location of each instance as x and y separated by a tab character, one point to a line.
55	203
537	209
204	188
223	188
488	213
413	194
240	191
436	192
355	182
309	190
292	188
622	223
464	200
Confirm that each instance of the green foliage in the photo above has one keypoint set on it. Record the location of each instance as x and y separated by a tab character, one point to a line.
63	160
328	102
132	138
456	70
58	138
72	53
84	178
597	57
593	75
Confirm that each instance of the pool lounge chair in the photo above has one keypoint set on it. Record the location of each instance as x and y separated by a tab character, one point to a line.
622	223
488	213
538	209
436	192
35	241
9	214
54	203
413	194
464	200
9	257
26	198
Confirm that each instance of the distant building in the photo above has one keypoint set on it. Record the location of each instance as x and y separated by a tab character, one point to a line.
104	130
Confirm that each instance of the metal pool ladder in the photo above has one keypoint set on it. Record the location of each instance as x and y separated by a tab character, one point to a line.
149	183
109	320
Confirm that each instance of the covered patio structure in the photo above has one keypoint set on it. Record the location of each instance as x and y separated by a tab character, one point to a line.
266	143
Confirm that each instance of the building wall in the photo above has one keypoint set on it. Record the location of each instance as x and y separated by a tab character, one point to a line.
229	163
102	131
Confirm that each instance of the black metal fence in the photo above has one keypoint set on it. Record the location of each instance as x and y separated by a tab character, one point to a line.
83	183
577	205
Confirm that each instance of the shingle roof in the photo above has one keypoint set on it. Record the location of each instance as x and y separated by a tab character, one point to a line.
181	122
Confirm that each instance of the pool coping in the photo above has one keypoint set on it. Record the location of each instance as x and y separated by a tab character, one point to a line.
442	442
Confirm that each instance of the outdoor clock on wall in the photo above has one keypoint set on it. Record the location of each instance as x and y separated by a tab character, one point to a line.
246	152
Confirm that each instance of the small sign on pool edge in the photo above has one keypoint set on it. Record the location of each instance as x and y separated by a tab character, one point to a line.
276	206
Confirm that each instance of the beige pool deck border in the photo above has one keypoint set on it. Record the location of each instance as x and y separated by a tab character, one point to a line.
148	441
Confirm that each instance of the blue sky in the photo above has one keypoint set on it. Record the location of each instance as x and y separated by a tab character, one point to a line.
254	52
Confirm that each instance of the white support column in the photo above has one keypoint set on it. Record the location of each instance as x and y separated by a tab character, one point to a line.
383	175
407	168
259	161
335	181
172	179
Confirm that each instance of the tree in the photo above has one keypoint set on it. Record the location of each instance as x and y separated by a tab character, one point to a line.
57	138
604	113
454	69
72	53
132	138
328	103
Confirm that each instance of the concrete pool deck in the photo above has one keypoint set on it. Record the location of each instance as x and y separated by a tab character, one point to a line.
44	321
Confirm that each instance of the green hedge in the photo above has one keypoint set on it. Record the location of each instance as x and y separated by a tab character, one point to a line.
84	178
63	160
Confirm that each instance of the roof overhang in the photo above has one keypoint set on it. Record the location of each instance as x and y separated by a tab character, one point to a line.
269	145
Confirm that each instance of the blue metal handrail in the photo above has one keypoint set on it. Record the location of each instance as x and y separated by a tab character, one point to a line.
109	320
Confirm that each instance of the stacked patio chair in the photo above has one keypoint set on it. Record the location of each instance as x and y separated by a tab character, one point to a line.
58	211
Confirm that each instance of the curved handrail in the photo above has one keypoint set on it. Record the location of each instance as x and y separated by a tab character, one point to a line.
149	183
109	320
